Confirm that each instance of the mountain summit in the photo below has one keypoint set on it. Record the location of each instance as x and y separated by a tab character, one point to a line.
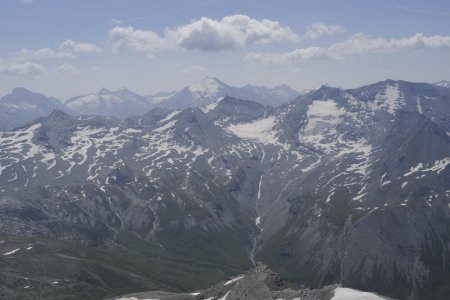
210	89
22	105
120	103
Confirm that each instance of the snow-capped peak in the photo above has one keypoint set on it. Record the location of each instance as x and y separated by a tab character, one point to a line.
208	87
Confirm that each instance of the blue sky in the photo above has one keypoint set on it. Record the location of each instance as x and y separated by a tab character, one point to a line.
69	47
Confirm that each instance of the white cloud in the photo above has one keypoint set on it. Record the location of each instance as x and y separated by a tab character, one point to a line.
40	54
358	44
69	46
231	32
21	69
67	69
205	34
67	49
140	40
27	1
317	30
194	69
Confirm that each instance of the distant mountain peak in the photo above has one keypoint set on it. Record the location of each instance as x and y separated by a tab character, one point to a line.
443	83
208	86
24	92
21	90
210	78
104	91
21	94
282	86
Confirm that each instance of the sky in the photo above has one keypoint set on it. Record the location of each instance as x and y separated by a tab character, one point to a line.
64	48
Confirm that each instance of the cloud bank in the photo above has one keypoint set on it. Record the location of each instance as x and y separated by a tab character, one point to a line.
21	69
67	69
67	49
355	45
205	34
317	30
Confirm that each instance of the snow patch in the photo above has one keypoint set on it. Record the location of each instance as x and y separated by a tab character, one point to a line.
390	100
224	297
341	293
209	107
11	252
260	130
438	166
170	116
134	298
419	107
321	115
233	280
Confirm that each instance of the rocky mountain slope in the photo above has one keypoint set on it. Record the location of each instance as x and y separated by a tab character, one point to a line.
260	283
337	186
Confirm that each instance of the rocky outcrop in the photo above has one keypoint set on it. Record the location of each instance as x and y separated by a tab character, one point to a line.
260	283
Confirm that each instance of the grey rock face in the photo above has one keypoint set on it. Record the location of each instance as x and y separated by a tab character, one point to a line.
259	283
337	186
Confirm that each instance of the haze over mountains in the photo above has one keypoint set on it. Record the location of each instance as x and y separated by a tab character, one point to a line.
22	105
336	186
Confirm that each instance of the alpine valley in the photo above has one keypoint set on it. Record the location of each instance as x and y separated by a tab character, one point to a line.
335	190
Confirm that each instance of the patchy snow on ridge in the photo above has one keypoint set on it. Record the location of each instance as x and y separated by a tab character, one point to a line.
260	130
439	166
170	116
19	146
391	100
341	293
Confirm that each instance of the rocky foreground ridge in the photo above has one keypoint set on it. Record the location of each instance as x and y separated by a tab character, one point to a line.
260	283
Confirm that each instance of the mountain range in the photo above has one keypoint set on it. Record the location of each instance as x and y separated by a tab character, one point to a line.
22	105
337	186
